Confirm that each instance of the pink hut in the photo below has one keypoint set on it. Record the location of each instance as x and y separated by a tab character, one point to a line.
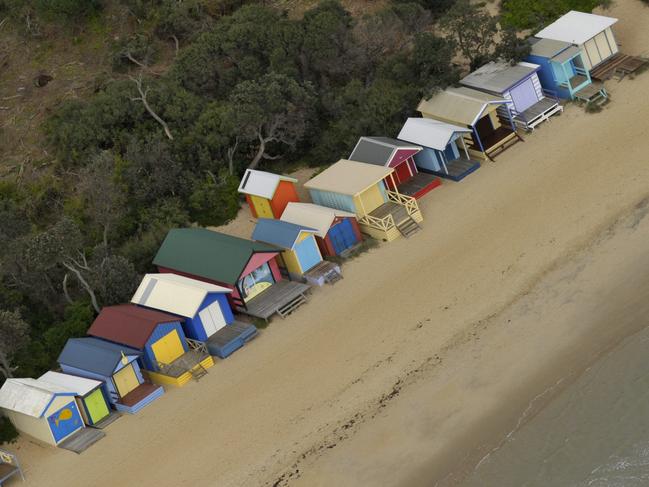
399	155
248	268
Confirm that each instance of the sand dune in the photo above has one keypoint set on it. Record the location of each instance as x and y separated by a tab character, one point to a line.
334	395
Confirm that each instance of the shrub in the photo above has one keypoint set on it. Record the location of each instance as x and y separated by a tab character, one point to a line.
8	432
532	14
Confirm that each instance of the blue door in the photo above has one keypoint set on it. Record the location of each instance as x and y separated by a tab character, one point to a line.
451	152
524	95
65	421
342	236
308	254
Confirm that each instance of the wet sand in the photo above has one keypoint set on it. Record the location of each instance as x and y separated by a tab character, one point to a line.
394	374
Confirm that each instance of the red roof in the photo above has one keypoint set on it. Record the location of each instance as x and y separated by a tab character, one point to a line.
128	324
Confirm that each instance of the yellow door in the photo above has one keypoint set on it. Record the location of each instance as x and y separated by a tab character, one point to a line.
126	380
262	207
168	348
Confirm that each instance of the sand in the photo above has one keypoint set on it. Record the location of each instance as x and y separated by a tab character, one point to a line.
430	349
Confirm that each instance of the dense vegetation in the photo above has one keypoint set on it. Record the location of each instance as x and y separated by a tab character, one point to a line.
163	143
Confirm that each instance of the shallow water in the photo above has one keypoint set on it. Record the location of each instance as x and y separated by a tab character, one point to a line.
595	433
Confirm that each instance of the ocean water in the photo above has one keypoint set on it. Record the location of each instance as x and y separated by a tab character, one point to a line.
595	433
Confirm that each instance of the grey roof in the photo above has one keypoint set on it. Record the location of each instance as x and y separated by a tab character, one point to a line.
278	232
547	48
498	77
378	150
566	55
94	355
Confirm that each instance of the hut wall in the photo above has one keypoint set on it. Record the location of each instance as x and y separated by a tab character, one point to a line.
370	199
34	427
194	327
284	194
333	200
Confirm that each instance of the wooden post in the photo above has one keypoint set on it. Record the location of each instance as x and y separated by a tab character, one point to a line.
396	190
565	73
360	198
511	119
466	152
409	168
444	160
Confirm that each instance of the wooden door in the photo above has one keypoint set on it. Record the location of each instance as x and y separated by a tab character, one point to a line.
96	405
125	380
212	318
262	207
168	348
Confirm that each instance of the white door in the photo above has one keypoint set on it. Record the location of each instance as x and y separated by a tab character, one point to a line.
212	318
602	44
592	54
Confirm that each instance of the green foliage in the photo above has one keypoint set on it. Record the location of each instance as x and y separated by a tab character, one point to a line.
437	7
512	48
134	49
214	201
8	432
68	9
534	14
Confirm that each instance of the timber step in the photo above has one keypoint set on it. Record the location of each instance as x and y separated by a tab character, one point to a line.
408	227
198	372
291	306
333	276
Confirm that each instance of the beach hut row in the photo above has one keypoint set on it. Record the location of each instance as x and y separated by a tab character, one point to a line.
183	317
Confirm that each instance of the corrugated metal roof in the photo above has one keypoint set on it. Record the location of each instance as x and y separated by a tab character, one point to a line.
94	355
576	27
79	385
174	293
128	324
378	150
547	48
278	232
314	216
30	396
499	77
208	254
430	133
458	105
261	183
348	177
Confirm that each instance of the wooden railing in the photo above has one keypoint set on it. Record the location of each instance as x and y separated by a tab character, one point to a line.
386	223
408	201
197	345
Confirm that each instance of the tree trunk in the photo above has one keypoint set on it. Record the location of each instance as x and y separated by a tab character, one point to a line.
5	368
65	289
260	153
86	286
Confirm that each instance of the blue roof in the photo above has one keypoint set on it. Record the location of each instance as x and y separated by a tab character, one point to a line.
94	355
277	232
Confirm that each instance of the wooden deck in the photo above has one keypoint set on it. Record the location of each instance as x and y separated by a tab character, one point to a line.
186	362
281	298
577	80
138	394
229	333
500	140
458	169
592	93
538	113
398	212
110	419
82	440
419	184
325	272
617	65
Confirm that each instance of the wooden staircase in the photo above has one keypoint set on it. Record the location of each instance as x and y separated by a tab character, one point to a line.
333	276
198	372
404	223
291	306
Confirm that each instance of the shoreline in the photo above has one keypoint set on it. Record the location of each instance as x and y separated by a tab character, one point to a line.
593	341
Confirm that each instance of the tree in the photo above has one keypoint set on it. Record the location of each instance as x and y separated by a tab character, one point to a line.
271	112
14	334
104	199
473	29
511	47
215	200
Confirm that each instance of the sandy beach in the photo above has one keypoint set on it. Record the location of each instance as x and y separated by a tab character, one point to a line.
431	349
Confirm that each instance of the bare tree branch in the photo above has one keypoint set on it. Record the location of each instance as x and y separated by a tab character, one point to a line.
84	283
176	43
143	92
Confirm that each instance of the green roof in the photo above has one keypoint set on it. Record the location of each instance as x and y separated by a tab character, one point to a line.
207	254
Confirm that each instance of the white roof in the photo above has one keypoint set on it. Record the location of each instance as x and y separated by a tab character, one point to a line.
261	183
79	385
317	217
29	396
429	132
173	293
576	27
